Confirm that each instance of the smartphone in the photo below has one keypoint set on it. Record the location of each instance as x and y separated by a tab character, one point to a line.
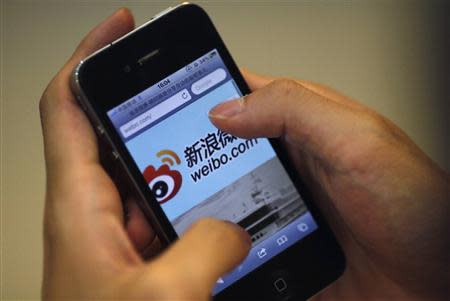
148	95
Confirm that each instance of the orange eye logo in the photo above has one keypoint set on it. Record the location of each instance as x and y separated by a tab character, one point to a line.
164	182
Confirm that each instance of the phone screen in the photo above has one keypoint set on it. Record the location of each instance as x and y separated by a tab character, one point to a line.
195	170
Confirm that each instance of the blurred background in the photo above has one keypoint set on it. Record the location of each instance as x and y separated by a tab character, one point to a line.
391	55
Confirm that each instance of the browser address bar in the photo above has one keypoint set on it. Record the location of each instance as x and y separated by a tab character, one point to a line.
155	113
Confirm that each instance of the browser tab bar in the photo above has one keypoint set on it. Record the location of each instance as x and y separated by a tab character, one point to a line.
155	113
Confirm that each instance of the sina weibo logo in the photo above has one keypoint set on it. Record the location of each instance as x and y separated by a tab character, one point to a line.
164	182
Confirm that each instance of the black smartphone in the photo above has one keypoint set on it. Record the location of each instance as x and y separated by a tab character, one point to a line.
148	95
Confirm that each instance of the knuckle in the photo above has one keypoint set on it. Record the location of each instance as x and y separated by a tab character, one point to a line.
44	101
381	126
286	87
48	96
54	93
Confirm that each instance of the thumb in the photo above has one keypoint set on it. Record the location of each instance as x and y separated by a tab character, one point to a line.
286	108
208	250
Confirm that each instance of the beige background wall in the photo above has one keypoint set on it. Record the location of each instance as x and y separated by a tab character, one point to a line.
392	55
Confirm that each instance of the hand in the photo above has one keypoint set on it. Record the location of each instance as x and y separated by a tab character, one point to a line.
89	251
387	202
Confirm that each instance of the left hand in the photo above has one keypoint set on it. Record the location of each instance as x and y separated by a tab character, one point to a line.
89	251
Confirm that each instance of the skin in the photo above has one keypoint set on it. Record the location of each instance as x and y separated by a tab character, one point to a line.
386	201
90	251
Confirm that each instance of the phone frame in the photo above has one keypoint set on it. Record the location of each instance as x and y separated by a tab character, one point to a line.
102	79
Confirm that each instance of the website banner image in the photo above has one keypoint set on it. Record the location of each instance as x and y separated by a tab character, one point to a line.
263	201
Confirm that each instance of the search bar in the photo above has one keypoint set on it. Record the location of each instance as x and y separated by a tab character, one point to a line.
208	81
155	113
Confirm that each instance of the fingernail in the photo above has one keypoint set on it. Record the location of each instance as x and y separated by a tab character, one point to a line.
227	109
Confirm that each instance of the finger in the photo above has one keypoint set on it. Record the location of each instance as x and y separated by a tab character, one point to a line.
257	81
115	26
139	230
286	108
209	249
301	158
68	137
82	203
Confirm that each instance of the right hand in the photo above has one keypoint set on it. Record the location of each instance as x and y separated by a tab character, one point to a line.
387	202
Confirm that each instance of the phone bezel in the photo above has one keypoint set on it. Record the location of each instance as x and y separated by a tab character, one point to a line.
101	78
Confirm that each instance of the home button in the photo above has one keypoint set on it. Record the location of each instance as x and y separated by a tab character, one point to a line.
280	285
